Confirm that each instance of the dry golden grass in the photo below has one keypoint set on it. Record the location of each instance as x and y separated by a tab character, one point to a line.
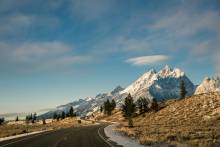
115	117
191	121
15	129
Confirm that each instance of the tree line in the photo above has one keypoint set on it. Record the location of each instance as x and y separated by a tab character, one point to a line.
30	118
2	119
129	108
63	115
108	107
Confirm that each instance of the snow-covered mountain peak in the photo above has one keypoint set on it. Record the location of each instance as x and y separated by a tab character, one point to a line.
168	71
178	72
209	85
117	90
162	84
152	70
145	80
206	79
167	68
89	98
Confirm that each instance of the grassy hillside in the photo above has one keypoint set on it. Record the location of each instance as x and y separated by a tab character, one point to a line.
194	120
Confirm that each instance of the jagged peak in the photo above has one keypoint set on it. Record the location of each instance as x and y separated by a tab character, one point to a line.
167	67
206	79
152	70
215	78
179	72
169	71
209	85
117	89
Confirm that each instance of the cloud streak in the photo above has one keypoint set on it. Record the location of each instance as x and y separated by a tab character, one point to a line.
185	23
39	56
17	24
91	10
145	60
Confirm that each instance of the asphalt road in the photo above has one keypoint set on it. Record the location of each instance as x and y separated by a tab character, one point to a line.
87	136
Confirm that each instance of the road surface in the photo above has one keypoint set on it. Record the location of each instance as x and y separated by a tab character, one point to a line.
86	136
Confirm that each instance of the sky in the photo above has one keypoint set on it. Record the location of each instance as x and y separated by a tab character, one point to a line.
56	51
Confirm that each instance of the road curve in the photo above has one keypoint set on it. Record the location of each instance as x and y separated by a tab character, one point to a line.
86	136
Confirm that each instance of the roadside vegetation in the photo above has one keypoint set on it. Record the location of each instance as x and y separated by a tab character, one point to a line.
63	115
108	107
128	109
2	120
33	124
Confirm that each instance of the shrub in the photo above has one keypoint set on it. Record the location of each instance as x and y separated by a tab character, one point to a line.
128	109
154	105
2	120
183	91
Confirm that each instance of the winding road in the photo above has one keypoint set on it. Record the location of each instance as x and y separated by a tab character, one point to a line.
86	136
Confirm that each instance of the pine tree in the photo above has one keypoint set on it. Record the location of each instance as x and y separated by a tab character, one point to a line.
113	104
183	91
101	109
43	121
71	112
67	115
140	105
63	115
31	117
154	105
58	117
145	104
34	117
27	119
128	109
107	107
17	119
55	115
2	120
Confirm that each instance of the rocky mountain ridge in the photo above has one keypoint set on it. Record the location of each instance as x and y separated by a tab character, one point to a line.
162	85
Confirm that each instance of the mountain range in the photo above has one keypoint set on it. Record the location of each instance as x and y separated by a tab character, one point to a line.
161	85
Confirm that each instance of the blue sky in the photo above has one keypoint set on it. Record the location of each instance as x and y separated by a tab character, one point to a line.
55	51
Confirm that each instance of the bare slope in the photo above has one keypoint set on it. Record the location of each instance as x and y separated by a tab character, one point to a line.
193	120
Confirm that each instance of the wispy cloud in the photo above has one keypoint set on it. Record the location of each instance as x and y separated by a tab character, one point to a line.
39	56
13	22
144	60
187	23
18	23
194	30
91	10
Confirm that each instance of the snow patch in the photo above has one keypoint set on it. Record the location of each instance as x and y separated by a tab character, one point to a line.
119	138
